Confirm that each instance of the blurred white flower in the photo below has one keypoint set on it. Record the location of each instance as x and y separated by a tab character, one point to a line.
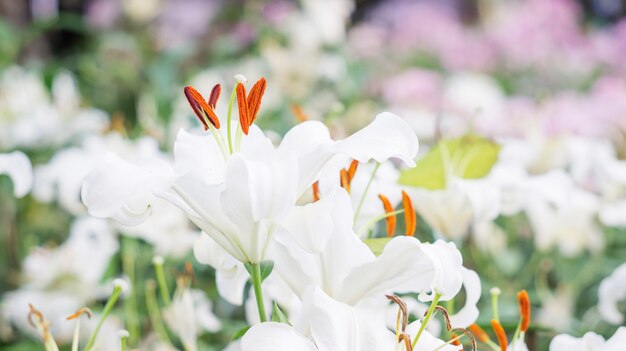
612	290
17	166
190	315
25	103
590	342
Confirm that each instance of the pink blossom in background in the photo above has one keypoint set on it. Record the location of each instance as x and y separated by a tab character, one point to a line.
413	87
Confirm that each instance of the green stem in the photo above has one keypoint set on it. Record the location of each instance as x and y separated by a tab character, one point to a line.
229	118
163	289
367	188
130	305
429	314
124	340
154	313
105	313
258	292
495	292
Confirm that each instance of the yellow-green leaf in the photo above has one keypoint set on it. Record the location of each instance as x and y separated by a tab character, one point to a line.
467	157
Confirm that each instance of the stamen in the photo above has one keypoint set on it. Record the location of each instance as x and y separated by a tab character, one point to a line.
201	108
255	98
524	309
299	113
344	179
79	313
390	220
407	341
352	169
409	214
215	95
242	104
316	191
500	334
403	312
479	333
446	316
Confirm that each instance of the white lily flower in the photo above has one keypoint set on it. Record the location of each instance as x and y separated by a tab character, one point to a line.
612	290
240	199
339	333
590	342
17	166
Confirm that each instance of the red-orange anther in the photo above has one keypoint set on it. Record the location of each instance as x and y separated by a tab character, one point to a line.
215	95
391	220
316	191
255	98
201	108
242	104
479	333
500	334
249	105
410	218
524	309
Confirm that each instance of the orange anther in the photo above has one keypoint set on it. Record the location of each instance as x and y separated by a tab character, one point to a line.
299	113
524	309
344	179
410	218
352	169
316	191
391	220
201	108
80	312
479	333
500	334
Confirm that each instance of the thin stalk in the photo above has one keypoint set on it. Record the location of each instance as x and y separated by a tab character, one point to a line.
495	292
229	118
163	289
154	313
258	292
429	314
367	188
130	305
105	313
76	335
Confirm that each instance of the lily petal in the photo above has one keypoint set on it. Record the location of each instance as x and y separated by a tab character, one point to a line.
388	136
272	336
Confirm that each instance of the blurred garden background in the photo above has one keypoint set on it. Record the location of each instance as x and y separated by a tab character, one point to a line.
527	97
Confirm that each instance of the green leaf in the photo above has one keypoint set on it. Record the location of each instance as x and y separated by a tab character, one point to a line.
467	157
266	268
377	244
239	333
278	315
